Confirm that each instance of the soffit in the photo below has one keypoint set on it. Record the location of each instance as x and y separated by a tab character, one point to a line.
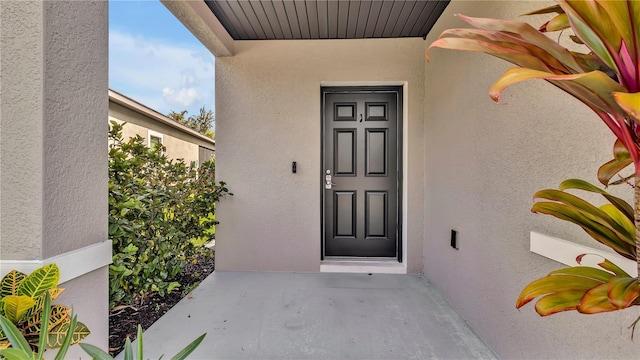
326	19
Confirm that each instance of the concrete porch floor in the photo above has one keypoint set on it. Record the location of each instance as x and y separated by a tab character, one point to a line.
279	315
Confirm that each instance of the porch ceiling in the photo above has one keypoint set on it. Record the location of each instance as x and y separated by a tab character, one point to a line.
326	19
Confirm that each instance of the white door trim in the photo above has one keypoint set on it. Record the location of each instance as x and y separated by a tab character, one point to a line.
346	267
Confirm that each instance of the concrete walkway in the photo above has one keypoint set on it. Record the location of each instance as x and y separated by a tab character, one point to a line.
258	315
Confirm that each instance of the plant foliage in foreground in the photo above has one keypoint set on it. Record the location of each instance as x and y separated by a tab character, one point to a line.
99	354
161	214
606	78
24	303
21	348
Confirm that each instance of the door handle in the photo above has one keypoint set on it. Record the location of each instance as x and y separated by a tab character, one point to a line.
327	181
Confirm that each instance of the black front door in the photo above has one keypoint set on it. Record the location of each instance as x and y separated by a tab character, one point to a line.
361	171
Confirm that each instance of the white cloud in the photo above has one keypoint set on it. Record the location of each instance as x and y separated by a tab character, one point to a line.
184	97
159	74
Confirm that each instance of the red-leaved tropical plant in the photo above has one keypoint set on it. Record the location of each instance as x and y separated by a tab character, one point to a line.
606	78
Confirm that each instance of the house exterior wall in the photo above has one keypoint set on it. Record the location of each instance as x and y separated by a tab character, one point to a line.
483	163
180	145
53	181
268	110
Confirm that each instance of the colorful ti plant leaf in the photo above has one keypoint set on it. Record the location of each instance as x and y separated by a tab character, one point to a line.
23	302
585	289
606	78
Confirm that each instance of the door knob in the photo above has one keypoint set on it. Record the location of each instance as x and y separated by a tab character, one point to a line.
327	181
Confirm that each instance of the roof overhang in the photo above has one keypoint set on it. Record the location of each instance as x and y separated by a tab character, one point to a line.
196	16
219	23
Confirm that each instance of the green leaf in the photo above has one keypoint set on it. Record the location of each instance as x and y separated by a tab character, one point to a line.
596	230
610	169
128	350
16	306
620	204
593	26
53	294
559	22
68	339
623	291
596	301
57	315
559	301
584	271
621	159
39	281
95	352
189	348
15	354
10	282
173	285
553	284
608	265
620	218
630	103
594	88
58	333
14	335
589	217
547	10
44	331
139	342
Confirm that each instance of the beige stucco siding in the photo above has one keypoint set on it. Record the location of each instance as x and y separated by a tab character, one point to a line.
180	149
483	163
122	113
268	115
176	147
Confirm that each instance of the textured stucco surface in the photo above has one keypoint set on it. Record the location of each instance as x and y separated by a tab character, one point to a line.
175	148
183	147
53	141
268	115
135	118
89	297
483	163
75	105
21	93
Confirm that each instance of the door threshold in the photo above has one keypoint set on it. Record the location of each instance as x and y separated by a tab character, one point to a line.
362	266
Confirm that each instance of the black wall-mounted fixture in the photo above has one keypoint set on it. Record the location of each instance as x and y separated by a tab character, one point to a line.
454	239
294	167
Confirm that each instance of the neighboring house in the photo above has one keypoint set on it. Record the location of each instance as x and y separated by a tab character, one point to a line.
181	142
440	156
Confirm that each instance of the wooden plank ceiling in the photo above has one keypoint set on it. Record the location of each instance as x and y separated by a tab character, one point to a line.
326	19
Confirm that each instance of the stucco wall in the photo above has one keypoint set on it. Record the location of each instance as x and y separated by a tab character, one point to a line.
75	103
132	117
483	163
268	115
53	168
21	130
175	148
179	149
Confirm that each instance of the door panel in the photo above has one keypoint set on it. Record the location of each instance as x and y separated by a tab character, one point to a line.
376	152
361	155
344	155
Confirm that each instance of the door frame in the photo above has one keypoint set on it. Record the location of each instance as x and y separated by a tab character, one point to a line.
399	91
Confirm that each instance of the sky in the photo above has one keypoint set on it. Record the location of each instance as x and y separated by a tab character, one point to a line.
155	60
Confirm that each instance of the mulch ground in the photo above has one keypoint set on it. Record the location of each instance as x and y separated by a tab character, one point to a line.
124	319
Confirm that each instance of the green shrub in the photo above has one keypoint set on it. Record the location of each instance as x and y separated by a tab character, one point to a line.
161	213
